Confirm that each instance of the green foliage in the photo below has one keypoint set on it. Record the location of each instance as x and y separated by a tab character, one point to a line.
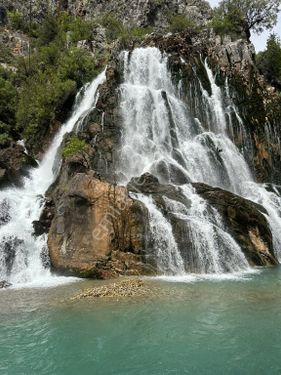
50	75
76	65
181	23
140	32
114	27
16	20
246	15
39	101
76	28
221	25
48	31
8	101
134	33
269	61
116	30
5	54
73	146
5	139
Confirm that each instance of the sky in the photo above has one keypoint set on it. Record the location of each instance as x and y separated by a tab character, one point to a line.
259	40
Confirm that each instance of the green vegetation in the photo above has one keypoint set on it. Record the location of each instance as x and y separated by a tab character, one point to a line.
8	105
16	20
116	30
181	23
73	146
50	75
114	27
245	15
38	85
269	61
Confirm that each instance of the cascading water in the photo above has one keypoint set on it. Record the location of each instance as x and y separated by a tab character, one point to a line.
21	252
162	138
241	180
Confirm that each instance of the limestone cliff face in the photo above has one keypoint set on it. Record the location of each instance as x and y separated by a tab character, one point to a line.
136	13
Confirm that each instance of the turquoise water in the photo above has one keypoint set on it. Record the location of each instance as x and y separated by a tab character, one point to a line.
207	327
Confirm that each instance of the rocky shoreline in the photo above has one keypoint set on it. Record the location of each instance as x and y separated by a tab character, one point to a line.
125	288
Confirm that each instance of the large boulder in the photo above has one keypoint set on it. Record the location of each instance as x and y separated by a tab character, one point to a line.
245	221
98	230
149	184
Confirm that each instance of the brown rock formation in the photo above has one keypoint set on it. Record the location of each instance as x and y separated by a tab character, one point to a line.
98	230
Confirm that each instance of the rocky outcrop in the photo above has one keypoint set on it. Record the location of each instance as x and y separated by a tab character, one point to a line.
140	13
245	221
98	230
4	284
14	164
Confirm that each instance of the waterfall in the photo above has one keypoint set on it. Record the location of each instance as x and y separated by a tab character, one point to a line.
161	137
21	253
241	179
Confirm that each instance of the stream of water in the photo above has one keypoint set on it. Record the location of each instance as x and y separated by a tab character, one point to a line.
162	137
22	254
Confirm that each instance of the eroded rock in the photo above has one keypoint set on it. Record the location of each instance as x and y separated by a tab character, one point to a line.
98	230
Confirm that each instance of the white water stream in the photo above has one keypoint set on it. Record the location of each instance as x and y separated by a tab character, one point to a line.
20	251
161	137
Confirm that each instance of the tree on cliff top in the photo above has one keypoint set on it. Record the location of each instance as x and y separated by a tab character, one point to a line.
269	61
248	15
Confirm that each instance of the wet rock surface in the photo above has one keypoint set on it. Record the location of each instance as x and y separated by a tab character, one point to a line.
14	164
4	284
245	221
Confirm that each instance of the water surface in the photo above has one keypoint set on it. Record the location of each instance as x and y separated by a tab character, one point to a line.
203	327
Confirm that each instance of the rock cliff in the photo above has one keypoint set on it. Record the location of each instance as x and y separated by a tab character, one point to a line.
140	13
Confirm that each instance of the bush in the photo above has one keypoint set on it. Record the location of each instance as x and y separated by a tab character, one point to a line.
39	101
77	65
8	101
5	139
16	20
73	146
48	31
52	73
114	27
181	23
221	26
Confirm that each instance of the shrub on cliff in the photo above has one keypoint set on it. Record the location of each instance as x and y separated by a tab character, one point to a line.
52	72
114	27
73	146
39	101
246	15
8	103
16	20
269	61
181	23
